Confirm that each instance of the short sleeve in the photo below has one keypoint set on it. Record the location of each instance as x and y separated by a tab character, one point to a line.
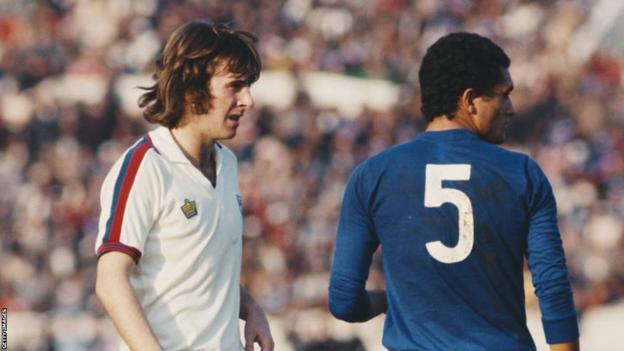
129	202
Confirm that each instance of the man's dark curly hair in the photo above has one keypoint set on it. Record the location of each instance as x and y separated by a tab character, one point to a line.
454	63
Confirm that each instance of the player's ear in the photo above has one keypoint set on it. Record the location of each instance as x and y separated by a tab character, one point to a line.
466	101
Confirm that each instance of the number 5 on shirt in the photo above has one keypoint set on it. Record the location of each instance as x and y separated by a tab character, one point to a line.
436	196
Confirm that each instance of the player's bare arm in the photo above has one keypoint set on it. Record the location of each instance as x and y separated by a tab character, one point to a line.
256	324
566	346
117	295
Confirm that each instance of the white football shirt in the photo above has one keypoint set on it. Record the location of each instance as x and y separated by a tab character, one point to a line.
184	235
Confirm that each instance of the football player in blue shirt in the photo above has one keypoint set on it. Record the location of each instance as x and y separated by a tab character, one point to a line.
455	216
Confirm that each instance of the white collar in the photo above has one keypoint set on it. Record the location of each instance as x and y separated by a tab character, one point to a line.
166	146
163	141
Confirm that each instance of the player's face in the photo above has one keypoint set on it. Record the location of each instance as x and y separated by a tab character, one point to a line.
494	111
231	98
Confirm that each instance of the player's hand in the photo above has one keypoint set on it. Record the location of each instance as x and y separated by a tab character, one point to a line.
257	330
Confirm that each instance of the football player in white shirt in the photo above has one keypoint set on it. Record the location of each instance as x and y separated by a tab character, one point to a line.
170	233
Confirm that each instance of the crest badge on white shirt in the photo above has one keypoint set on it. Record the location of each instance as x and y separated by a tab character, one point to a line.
189	208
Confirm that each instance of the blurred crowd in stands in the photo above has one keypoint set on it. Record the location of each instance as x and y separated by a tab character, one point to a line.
63	121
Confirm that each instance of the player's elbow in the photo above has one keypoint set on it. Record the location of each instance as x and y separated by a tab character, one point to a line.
342	312
348	307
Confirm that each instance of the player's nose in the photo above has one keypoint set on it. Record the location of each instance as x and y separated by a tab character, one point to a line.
509	108
245	99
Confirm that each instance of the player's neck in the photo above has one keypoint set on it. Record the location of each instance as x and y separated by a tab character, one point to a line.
196	148
459	121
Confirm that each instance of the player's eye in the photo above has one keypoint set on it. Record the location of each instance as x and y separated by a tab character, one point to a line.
238	84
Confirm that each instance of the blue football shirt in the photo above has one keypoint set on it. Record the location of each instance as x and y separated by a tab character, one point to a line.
455	217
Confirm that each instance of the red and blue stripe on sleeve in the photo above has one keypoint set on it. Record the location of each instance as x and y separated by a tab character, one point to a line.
123	185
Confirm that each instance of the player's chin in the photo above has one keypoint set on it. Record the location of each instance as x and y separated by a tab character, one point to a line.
500	134
229	134
496	137
226	133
